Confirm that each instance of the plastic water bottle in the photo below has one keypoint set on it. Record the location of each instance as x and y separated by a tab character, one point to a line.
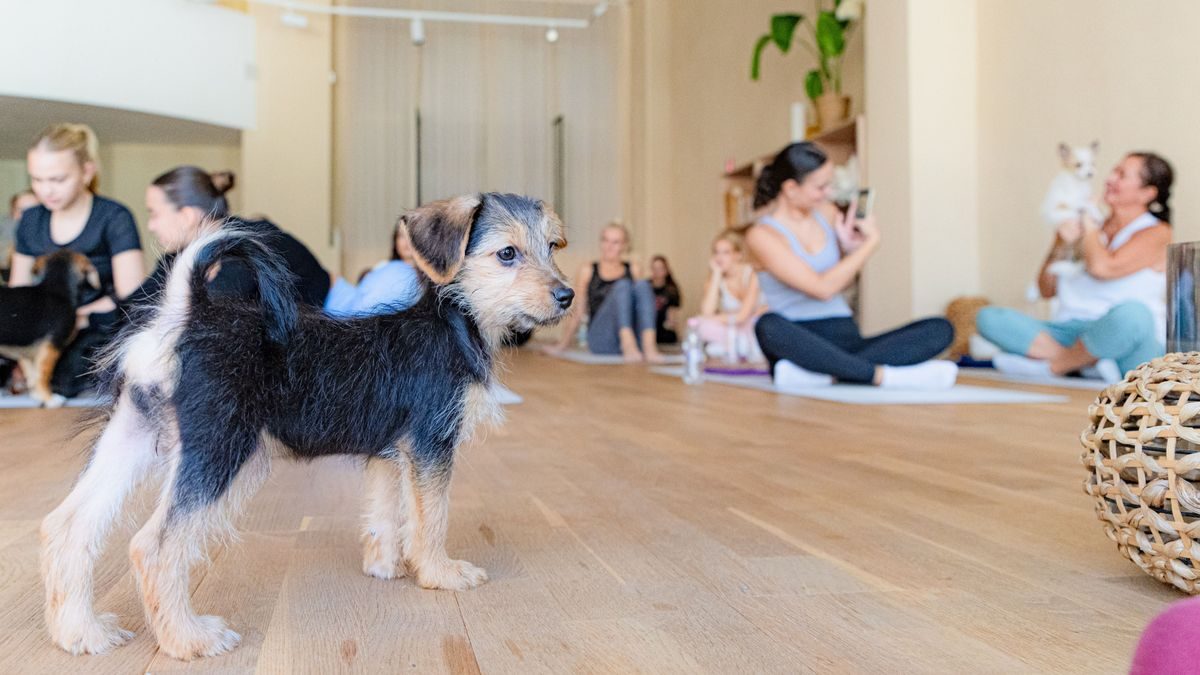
693	357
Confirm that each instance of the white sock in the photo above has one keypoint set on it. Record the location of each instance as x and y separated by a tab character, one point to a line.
1014	364
927	375
1105	369
791	377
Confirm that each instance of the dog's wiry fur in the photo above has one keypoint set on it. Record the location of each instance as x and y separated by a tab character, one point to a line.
207	389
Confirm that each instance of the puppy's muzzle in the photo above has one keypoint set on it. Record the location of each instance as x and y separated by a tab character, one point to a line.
563	295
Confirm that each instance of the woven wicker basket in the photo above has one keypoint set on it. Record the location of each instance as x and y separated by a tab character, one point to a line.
1142	452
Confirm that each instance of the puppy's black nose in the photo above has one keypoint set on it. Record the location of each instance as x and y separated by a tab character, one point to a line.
564	295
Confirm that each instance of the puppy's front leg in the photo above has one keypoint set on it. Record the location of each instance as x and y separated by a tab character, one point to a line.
426	487
381	535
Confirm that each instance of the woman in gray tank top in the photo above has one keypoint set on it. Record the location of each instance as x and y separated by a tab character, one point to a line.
809	254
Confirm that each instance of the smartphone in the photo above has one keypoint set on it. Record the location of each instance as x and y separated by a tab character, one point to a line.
866	201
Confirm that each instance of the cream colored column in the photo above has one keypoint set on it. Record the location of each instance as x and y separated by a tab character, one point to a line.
922	136
287	158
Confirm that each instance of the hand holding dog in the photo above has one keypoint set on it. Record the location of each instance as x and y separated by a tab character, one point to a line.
1069	231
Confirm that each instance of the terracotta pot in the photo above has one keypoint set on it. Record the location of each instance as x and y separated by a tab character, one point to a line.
831	109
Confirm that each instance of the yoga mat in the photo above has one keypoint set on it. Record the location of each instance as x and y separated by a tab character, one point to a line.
1056	381
861	394
27	401
588	358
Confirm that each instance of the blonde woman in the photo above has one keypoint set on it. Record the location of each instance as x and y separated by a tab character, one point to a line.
63	168
732	300
619	302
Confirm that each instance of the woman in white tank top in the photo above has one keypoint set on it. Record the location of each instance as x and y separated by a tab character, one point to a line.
1112	307
732	302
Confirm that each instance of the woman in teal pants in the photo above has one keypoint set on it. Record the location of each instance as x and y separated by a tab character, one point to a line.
1112	308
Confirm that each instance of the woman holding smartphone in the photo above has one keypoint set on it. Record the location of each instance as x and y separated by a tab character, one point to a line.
808	254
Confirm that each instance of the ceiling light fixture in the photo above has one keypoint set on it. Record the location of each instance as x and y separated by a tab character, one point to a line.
416	30
293	19
551	35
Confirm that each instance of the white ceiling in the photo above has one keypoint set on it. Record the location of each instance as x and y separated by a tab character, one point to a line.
23	118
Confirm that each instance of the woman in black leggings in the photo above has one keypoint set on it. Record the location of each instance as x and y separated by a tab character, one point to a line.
809	253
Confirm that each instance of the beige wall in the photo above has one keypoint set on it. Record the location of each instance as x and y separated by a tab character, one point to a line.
287	158
694	107
1125	73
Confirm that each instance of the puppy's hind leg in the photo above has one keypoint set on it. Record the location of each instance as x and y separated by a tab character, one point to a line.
202	496
381	535
73	535
426	491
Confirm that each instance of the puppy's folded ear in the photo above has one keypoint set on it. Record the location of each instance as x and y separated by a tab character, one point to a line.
439	232
39	266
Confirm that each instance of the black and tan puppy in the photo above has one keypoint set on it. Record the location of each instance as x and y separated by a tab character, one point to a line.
38	322
208	389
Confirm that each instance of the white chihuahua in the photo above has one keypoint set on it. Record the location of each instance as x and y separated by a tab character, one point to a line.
1070	193
1069	198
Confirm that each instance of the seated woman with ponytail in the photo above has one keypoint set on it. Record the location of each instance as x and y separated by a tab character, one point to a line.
64	172
1111	310
180	201
809	253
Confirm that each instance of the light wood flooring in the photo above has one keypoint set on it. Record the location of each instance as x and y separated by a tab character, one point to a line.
632	523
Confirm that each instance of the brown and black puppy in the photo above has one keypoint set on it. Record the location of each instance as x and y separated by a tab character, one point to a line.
38	322
209	389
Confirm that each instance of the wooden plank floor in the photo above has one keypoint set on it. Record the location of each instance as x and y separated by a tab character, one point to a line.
631	523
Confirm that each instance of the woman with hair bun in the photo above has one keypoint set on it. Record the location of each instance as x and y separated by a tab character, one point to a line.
64	173
1111	310
181	201
809	253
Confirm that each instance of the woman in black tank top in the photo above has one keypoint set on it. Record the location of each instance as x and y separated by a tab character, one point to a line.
619	302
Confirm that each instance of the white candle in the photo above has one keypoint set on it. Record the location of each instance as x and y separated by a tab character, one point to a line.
798	127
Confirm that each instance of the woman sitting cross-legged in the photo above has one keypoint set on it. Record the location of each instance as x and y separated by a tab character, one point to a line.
1111	310
619	302
732	302
809	253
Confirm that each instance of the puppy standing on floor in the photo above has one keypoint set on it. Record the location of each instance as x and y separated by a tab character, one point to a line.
206	389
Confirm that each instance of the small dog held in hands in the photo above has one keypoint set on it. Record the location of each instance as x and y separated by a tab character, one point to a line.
1070	195
38	322
207	390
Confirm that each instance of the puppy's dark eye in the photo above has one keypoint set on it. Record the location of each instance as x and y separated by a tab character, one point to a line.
507	254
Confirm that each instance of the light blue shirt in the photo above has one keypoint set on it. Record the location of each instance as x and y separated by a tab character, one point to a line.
390	287
796	305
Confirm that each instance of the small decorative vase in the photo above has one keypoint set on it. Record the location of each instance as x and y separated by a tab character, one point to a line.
1142	453
832	108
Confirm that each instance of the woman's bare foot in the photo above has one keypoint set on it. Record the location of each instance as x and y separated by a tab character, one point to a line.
629	347
654	356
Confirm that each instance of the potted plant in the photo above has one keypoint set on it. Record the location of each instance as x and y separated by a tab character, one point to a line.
826	39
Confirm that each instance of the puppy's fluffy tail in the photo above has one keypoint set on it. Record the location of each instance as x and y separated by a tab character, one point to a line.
191	272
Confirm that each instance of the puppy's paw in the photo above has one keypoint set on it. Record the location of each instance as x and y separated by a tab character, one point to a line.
96	635
381	557
204	636
451	575
381	569
55	401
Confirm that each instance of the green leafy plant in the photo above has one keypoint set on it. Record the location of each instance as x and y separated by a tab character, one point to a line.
826	40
